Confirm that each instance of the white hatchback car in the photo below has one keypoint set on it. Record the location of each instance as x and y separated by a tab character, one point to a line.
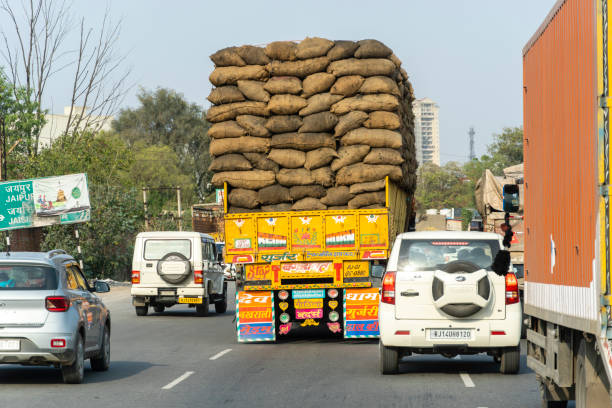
440	296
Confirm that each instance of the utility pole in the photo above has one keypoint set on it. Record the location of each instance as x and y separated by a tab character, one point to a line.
180	213
144	200
3	156
472	133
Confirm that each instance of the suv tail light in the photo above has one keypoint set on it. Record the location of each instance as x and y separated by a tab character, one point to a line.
512	294
57	303
135	277
198	277
388	288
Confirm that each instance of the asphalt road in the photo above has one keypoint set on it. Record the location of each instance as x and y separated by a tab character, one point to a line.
176	359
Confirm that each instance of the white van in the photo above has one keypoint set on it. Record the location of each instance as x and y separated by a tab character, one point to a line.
172	267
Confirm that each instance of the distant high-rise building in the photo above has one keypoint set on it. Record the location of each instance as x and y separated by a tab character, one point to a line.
426	131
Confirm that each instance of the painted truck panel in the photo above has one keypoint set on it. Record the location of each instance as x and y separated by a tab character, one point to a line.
562	224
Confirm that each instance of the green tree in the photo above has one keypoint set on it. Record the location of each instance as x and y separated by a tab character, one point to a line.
505	151
442	187
164	117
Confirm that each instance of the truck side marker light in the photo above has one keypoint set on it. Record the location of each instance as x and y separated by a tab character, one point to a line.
334	316
283	295
284	317
332	293
283	306
333	304
284	328
334	327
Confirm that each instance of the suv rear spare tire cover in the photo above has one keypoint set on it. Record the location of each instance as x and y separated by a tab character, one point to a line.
461	309
174	267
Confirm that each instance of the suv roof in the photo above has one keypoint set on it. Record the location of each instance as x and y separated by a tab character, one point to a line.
449	235
51	258
174	234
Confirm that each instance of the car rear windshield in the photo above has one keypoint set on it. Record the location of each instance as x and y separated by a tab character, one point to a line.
430	255
155	249
27	277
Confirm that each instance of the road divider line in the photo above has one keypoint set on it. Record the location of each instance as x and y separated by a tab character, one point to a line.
467	381
178	380
221	354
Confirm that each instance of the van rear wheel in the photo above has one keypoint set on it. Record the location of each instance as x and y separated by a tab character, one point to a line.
389	360
510	360
142	310
221	305
159	308
202	310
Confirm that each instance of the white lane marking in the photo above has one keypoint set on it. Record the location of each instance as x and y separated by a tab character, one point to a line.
216	356
467	381
178	380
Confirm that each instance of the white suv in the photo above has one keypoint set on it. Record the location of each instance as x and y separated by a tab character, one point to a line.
440	296
172	267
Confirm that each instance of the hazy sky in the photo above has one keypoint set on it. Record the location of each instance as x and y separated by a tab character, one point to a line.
464	54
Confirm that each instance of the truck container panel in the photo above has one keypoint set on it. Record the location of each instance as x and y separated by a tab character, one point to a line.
562	136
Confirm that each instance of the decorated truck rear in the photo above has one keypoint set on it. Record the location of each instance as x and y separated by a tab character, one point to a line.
307	269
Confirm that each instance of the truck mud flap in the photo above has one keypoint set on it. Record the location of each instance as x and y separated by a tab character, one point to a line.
255	316
361	313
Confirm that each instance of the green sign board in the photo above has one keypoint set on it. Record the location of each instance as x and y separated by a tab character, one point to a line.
44	201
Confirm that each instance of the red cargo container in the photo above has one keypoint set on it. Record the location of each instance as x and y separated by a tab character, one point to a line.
566	215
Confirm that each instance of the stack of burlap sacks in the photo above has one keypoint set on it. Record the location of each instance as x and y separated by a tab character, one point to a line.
311	125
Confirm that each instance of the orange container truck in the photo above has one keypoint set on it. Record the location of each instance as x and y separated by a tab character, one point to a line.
567	203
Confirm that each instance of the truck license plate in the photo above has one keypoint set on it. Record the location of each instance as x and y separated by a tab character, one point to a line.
9	345
192	300
450	334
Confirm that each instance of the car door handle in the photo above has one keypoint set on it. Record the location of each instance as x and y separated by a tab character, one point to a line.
409	294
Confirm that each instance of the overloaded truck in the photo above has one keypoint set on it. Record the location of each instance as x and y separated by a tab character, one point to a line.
566	89
313	143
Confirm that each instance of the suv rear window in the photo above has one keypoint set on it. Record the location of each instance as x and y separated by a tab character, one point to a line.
429	255
27	277
155	249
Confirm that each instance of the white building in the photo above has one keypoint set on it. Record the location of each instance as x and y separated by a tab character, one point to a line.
426	131
56	124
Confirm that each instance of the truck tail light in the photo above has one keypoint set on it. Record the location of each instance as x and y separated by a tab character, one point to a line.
198	277
388	288
512	292
135	277
57	303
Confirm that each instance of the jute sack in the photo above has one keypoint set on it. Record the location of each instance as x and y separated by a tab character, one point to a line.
244	144
299	192
284	85
298	68
395	60
348	155
347	85
367	103
313	47
225	94
363	173
254	125
367	187
379	84
365	67
384	156
294	177
367	199
240	197
276	207
254	90
281	50
342	50
238	210
323	176
319	103
303	141
319	158
372	138
261	162
372	49
229	111
283	123
273	194
253	55
230	162
286	104
337	196
229	128
227	57
350	121
254	179
318	122
382	120
230	75
308	204
288	158
317	83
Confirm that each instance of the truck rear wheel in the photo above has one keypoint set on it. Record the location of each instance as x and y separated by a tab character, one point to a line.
389	360
592	389
142	310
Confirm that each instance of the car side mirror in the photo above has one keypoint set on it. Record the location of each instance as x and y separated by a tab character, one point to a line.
101	287
511	198
378	271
